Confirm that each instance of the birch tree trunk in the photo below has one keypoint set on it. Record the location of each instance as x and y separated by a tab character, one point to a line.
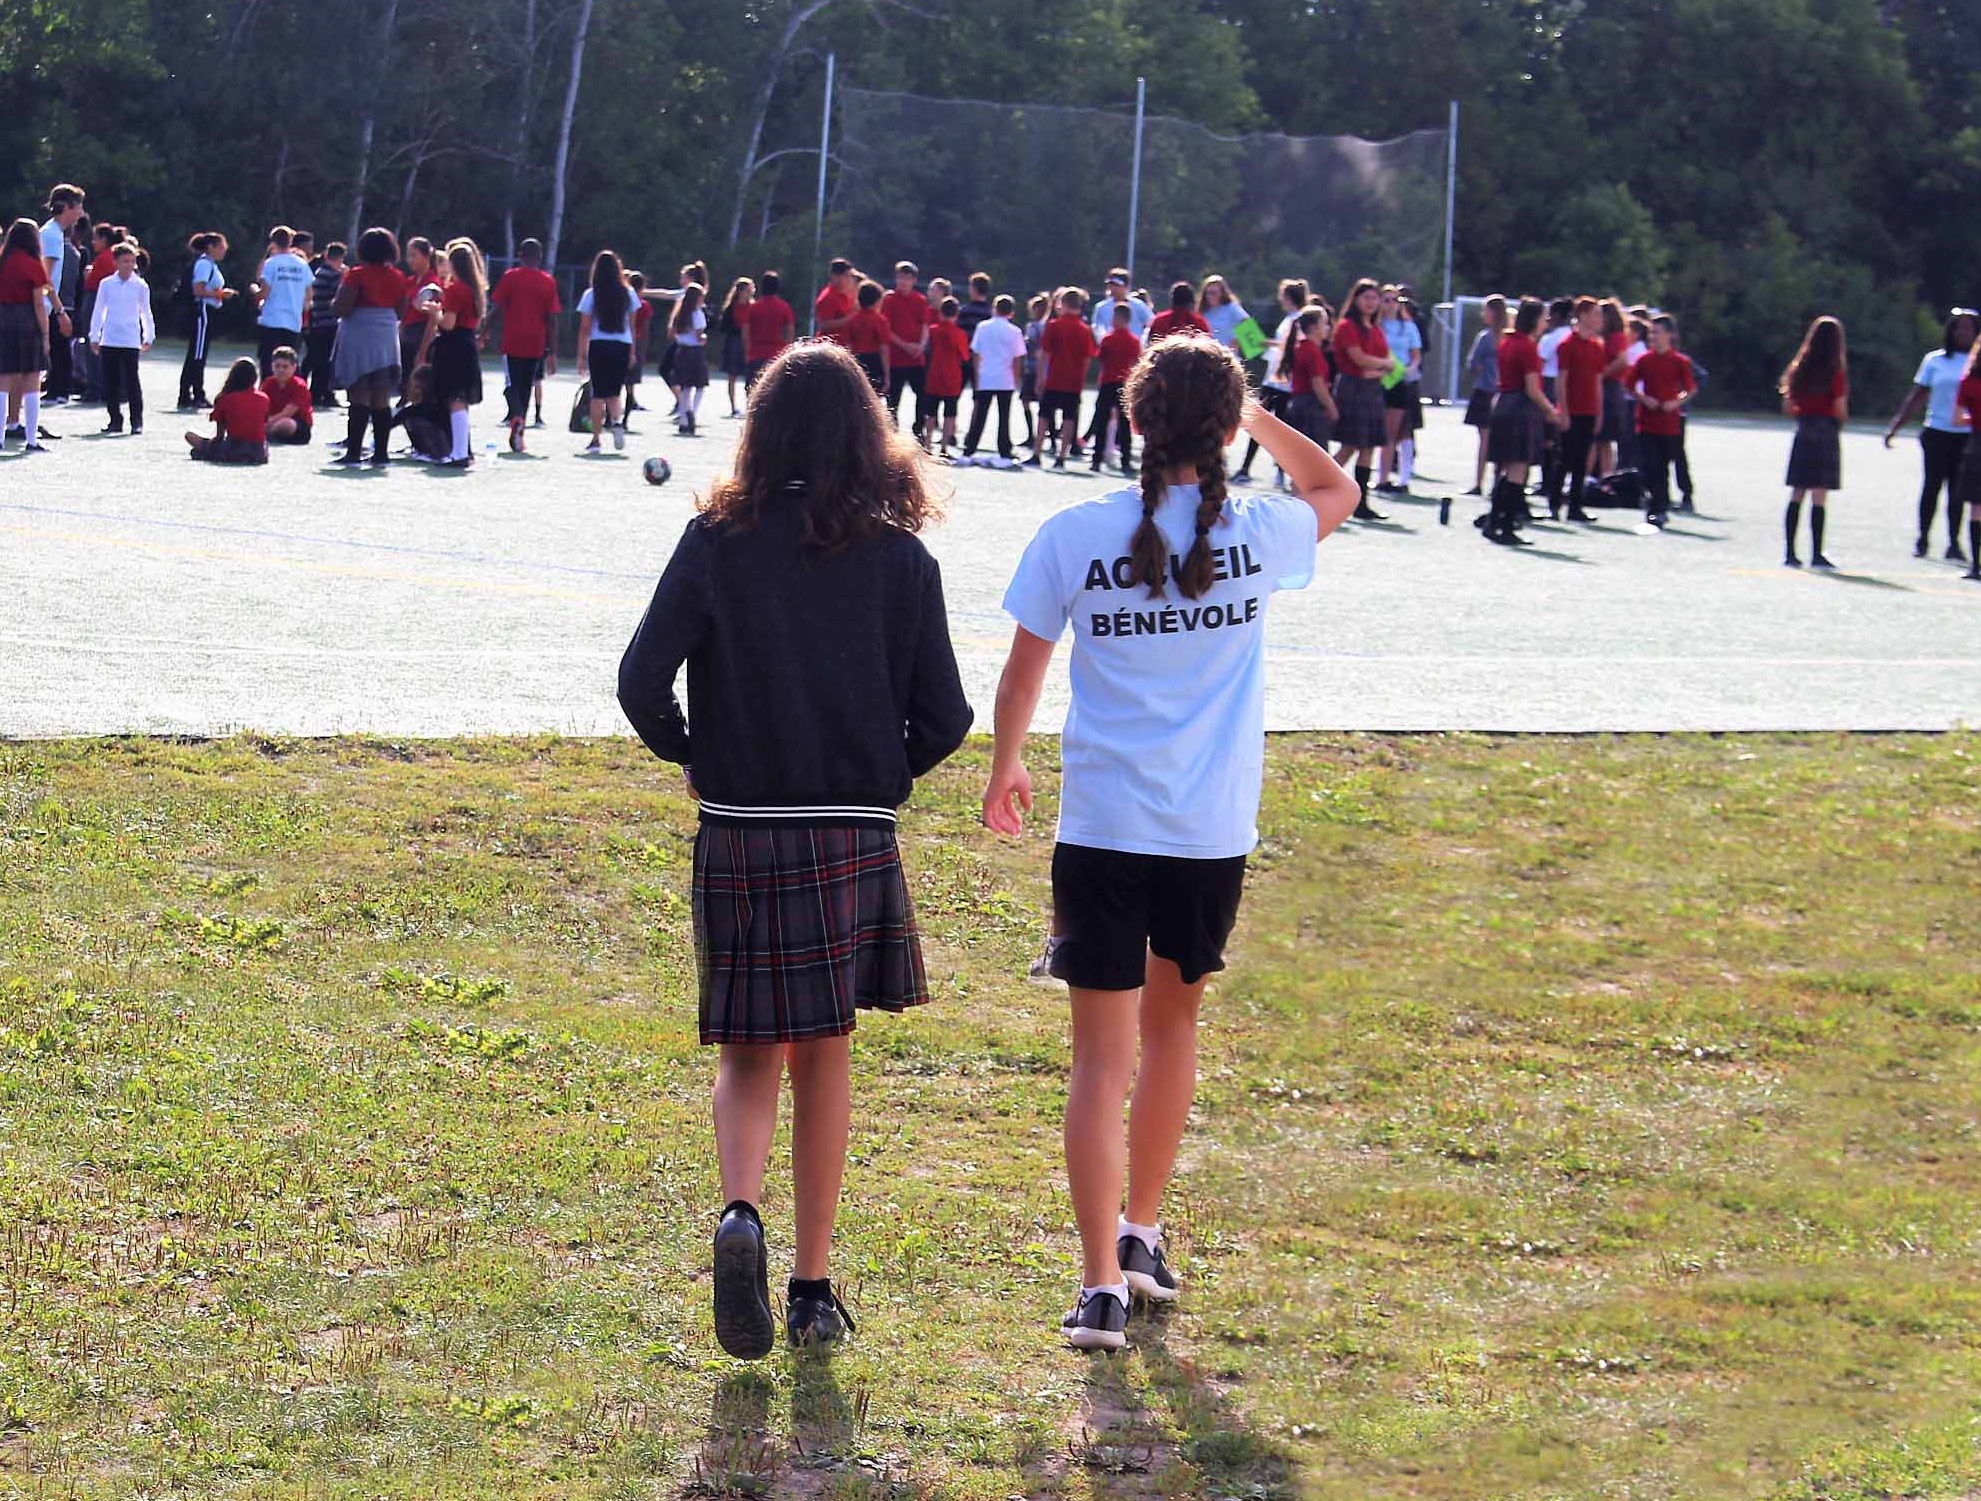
368	124
556	229
766	91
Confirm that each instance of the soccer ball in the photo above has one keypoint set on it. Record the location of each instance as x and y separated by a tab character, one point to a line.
657	470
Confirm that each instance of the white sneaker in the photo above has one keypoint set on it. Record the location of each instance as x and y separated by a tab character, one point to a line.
1099	1321
619	436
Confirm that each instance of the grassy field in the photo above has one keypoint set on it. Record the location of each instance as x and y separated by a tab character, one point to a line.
1580	1118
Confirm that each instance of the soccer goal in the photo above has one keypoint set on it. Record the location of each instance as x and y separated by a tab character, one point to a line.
1454	325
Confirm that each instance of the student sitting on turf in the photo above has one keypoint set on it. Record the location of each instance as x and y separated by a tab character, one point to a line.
241	414
424	418
290	408
821	683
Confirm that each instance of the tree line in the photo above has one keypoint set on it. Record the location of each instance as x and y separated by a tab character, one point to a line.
1746	163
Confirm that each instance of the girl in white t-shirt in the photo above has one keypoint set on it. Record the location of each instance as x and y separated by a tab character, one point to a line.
1277	388
1164	751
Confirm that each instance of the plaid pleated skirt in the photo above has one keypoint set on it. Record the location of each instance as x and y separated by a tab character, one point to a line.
797	929
1815	460
1360	399
21	351
1518	432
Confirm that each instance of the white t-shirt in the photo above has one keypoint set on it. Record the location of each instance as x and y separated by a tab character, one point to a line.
1940	374
697	329
1551	343
996	343
287	279
1278	379
1164	746
624	335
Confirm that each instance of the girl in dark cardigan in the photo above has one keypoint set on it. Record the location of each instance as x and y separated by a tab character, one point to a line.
821	683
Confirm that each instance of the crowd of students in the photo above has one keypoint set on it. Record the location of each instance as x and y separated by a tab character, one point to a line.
1575	393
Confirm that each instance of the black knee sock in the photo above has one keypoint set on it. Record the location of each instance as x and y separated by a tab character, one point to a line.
1816	530
354	442
1362	472
1974	542
1791	519
381	431
1928	503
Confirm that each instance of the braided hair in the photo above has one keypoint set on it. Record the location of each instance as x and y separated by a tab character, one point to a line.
1186	397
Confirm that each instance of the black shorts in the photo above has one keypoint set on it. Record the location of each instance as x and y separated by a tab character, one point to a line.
1054	405
1112	910
943	406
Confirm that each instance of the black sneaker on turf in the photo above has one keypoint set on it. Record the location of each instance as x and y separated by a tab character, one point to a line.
743	1325
1097	1322
812	1319
1145	1271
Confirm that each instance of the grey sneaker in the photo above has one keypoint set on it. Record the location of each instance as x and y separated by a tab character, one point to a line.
1039	972
1099	1321
1146	1272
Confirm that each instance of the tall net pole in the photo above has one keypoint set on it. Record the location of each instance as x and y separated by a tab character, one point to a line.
1450	193
1135	176
825	155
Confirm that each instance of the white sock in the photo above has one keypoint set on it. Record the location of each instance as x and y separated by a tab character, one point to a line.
1149	1235
458	421
31	414
1119	1289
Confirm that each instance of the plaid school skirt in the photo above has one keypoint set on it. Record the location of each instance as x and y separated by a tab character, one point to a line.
796	929
1815	459
21	351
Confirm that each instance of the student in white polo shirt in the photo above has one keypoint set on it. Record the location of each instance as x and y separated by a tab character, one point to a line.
121	329
997	356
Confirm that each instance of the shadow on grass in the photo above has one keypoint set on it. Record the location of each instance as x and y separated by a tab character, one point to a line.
1199	1446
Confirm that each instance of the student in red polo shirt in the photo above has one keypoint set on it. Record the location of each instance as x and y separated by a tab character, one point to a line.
1066	345
524	302
1119	351
1662	379
1815	391
768	325
240	412
1967	480
1581	359
949	353
867	337
834	307
290	411
1616	344
1521	413
1361	359
422	292
907	313
1182	316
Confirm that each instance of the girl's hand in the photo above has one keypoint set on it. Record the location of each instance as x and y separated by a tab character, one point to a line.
1250	413
688	776
1007	799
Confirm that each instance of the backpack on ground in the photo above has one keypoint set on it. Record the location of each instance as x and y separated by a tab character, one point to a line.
581	408
1622	490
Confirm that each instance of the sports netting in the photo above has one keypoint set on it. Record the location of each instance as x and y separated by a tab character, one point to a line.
1038	196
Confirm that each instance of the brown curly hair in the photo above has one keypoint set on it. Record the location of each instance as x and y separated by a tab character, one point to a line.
816	435
1185	398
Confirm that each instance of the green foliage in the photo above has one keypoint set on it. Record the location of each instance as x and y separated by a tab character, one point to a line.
1749	162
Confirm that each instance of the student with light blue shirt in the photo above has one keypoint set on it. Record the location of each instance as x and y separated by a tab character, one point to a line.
209	292
1222	311
1941	441
1140	314
1166	589
1400	399
283	285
